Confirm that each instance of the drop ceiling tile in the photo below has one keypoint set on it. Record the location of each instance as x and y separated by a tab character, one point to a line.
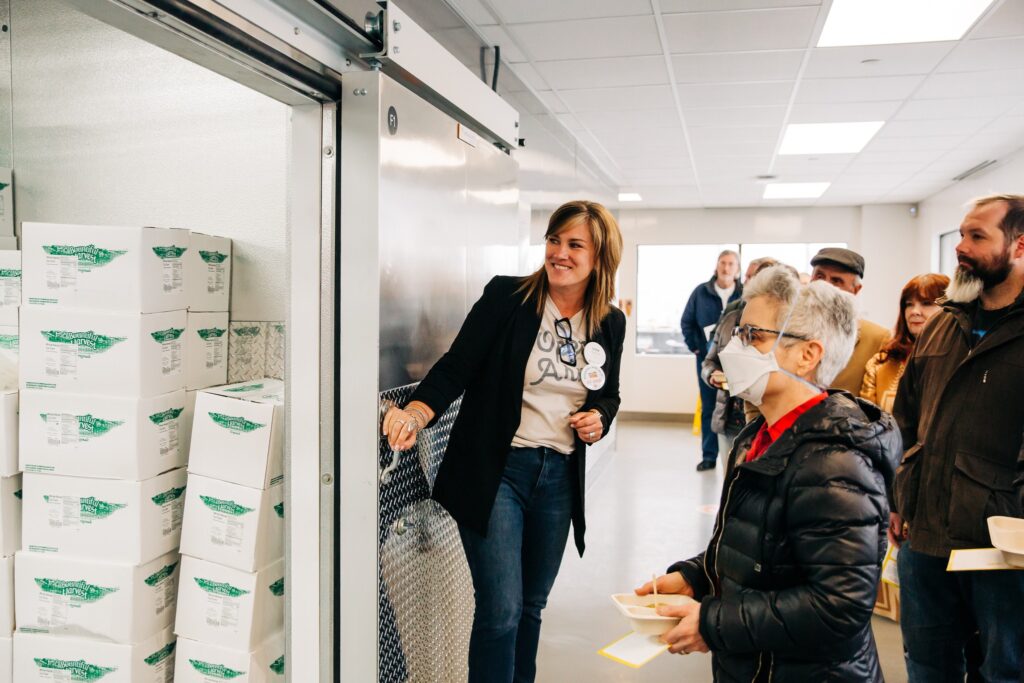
967	107
824	112
476	12
603	73
932	127
530	76
775	65
622	120
624	98
1007	20
656	162
532	11
883	157
672	6
736	116
641	145
915	144
588	38
570	122
892	60
1013	126
711	134
657	177
734	94
774	29
733	148
985	55
972	84
510	52
880	89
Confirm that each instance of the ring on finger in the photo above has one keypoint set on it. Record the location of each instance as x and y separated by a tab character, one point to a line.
591	435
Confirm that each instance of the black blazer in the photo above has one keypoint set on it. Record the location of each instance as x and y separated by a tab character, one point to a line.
487	361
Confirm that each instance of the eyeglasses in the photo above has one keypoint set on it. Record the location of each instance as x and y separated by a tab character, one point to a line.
567	350
748	334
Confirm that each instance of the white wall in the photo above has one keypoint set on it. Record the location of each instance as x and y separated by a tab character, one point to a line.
885	234
943	211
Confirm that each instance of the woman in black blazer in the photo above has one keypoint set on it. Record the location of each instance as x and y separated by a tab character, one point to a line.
538	360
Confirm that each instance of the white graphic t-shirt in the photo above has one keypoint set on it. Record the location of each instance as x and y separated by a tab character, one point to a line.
552	390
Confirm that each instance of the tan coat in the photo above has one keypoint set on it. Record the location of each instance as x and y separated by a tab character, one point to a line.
881	379
870	337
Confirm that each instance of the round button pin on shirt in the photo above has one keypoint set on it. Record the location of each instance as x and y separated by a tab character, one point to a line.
592	377
594	354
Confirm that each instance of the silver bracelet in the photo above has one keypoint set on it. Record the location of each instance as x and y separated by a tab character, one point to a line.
419	416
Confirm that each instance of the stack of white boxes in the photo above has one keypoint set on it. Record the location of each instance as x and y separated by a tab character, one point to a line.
231	594
10	479
104	367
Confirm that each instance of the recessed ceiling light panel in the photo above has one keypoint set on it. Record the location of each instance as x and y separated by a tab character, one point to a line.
794	190
883	22
629	197
828	138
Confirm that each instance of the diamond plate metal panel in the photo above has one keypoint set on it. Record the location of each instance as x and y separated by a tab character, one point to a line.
425	589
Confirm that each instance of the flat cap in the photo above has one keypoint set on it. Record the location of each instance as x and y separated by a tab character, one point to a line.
844	258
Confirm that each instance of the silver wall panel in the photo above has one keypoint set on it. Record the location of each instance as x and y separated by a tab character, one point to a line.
111	130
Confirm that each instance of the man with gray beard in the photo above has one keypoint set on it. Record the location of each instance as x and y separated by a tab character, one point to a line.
960	411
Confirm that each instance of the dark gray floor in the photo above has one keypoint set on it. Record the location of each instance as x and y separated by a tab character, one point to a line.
645	509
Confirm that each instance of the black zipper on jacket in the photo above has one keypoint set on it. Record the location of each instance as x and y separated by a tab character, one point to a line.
716	539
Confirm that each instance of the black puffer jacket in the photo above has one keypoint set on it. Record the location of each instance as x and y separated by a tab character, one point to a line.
789	579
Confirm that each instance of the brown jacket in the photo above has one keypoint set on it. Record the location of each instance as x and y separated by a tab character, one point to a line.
870	337
961	413
881	379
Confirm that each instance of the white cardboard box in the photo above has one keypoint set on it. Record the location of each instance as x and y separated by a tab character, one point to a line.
7	595
103	519
8	242
9	343
108	354
186	421
10	515
101	436
208	273
127	269
8	433
233	525
7	659
204	663
206	350
227	607
44	658
248	351
237	433
90	599
10	278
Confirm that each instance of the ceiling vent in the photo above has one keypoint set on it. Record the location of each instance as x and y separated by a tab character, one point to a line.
974	169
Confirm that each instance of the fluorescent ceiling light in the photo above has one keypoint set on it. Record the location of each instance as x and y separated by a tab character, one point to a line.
629	197
828	138
794	190
882	22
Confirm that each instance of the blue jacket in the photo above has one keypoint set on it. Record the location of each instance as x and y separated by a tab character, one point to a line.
704	308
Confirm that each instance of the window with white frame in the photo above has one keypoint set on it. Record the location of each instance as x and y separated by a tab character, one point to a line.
947	252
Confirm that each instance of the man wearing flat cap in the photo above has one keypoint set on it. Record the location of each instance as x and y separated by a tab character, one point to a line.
844	268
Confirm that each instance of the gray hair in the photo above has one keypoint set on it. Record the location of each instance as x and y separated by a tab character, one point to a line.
819	311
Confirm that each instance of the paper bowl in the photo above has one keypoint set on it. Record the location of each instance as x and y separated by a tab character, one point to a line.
642	617
1008	536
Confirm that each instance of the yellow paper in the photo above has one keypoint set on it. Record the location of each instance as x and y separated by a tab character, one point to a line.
634	649
977	559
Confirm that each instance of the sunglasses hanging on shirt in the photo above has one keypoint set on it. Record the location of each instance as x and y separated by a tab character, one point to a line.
566	350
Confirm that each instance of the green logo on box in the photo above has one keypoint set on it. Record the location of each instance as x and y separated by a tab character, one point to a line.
228	507
244	388
92	509
79	669
215	670
88	426
277	588
211	333
217	588
85	341
9	273
277	666
235	424
17	494
9	342
253	331
89	255
168	495
279	509
166	416
170	334
213	257
79	591
164	573
161	654
169	252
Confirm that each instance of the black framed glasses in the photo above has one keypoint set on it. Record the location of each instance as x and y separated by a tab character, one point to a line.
748	334
567	349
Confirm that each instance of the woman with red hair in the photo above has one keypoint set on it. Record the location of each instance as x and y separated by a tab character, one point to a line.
917	306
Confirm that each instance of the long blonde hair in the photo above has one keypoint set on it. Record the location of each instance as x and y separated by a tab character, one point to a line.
604	233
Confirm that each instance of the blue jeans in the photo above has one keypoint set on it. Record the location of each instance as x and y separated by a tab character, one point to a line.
708	398
515	565
939	611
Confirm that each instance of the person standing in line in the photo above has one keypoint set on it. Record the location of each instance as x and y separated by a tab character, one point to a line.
844	268
917	306
538	361
703	309
960	411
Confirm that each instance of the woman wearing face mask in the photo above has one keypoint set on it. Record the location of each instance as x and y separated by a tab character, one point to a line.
917	306
538	359
785	588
